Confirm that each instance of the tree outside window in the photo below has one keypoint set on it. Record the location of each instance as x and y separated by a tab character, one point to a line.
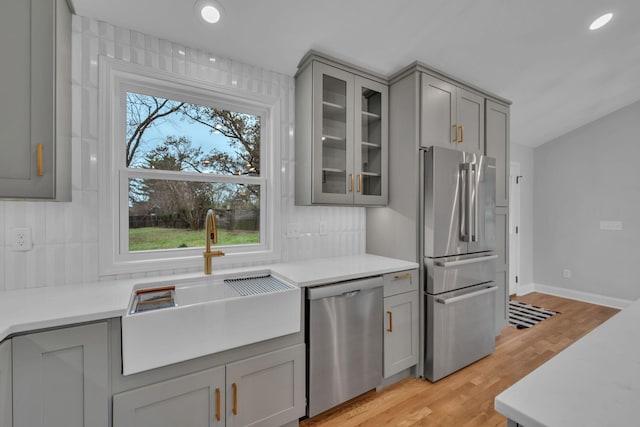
189	158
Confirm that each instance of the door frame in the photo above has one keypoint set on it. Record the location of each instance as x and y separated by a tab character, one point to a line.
514	227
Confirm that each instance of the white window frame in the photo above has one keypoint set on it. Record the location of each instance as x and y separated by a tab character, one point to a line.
116	78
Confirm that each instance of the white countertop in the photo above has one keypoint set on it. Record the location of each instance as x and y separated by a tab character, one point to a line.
39	308
594	382
327	270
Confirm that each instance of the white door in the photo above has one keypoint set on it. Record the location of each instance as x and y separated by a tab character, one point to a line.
514	227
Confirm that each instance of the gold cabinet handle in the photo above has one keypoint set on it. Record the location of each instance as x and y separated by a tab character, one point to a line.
461	133
39	159
402	276
217	404
350	183
390	314
235	399
359	183
455	138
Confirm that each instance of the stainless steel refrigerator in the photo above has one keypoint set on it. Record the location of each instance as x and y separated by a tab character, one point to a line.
458	243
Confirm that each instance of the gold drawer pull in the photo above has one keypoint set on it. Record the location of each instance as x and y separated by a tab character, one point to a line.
390	314
461	133
455	138
402	276
350	183
39	159
235	399
359	183
217	404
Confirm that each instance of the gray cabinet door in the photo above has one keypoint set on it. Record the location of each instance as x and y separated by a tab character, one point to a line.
502	268
267	390
401	332
438	113
497	144
36	36
60	378
470	121
5	385
195	400
371	142
333	175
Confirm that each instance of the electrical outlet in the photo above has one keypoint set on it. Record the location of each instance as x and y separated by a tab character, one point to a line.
293	230
566	273
322	228
21	240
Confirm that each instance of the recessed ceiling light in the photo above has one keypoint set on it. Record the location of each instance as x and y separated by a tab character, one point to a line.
601	21
209	10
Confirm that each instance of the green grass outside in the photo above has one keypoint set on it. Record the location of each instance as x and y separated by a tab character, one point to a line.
150	238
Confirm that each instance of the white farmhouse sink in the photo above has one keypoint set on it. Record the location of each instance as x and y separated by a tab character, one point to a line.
207	316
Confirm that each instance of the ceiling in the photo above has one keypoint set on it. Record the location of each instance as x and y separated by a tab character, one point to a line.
539	54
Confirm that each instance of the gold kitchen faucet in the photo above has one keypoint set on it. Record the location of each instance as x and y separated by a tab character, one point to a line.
212	237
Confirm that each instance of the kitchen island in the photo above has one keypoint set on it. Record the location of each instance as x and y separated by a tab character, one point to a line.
594	382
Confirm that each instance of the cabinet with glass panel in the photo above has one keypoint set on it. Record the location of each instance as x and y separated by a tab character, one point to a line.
341	135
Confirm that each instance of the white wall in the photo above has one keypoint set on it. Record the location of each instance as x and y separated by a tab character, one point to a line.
524	156
65	235
586	176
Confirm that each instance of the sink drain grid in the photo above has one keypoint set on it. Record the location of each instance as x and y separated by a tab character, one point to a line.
257	285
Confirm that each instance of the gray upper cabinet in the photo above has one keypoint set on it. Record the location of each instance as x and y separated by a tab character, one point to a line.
451	116
35	126
497	139
61	378
341	136
5	385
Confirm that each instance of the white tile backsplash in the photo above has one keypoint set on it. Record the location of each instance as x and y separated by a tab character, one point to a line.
66	233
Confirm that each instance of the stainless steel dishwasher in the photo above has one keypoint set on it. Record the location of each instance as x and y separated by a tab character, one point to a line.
344	341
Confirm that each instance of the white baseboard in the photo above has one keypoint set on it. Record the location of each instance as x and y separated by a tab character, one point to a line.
524	289
575	295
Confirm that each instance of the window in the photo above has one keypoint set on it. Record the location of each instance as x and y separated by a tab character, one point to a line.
174	149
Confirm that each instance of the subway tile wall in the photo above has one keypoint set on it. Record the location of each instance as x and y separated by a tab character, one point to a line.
65	235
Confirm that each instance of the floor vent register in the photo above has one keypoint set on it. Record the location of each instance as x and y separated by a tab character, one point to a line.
523	315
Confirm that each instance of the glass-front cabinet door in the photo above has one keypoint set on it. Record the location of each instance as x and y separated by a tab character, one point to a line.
350	138
333	175
370	142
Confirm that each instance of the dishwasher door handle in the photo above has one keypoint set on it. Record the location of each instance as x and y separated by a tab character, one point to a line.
351	293
466	296
344	288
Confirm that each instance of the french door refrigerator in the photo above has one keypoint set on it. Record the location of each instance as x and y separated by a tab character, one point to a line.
458	243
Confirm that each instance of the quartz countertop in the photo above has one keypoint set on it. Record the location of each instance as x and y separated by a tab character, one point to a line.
39	308
594	382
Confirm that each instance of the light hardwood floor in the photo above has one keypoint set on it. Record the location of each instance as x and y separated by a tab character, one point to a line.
466	397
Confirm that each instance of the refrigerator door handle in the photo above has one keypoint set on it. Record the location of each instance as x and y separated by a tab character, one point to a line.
466	234
446	264
474	201
466	296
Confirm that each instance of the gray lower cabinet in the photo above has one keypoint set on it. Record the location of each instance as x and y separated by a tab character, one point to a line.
61	378
5	385
195	400
402	321
401	332
265	390
502	268
35	126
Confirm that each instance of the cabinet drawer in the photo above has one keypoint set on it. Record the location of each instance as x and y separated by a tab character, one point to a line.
400	282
